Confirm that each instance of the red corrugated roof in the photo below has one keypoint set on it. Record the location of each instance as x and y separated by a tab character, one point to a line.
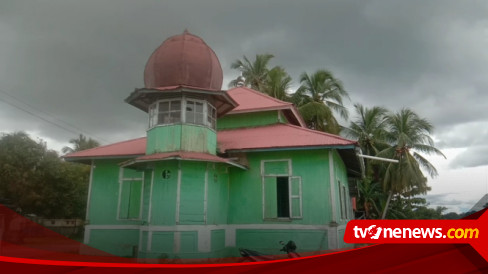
276	136
132	147
185	155
266	137
250	100
181	155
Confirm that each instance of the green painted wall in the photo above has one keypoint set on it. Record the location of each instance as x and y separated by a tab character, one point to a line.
342	196
105	194
267	240
183	137
246	187
249	120
234	196
218	194
192	192
218	239
164	194
119	242
162	242
163	139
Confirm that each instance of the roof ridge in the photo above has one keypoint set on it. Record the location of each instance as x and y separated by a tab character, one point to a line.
293	126
321	132
262	94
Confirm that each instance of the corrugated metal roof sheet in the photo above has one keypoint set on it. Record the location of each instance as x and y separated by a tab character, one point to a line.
250	100
131	148
185	155
276	136
266	137
181	155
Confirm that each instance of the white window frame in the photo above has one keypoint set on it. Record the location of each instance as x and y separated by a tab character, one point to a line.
291	197
342	200
209	112
122	179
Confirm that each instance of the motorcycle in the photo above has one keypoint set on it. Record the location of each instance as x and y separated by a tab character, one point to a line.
255	256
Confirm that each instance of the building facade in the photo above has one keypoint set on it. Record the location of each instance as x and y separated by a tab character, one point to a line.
217	170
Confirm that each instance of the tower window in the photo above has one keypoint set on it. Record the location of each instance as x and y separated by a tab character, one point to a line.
194	112
191	111
169	112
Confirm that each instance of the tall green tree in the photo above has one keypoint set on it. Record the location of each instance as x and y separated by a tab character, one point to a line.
369	196
409	135
80	143
20	158
255	72
318	97
369	129
35	180
278	82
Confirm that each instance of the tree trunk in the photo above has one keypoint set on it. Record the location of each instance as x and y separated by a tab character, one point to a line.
387	204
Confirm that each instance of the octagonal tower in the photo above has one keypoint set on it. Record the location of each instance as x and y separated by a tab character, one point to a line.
182	96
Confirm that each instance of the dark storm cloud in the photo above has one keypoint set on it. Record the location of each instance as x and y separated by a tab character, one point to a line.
473	156
451	202
78	60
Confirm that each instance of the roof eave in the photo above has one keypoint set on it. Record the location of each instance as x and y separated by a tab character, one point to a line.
143	97
352	146
133	162
84	159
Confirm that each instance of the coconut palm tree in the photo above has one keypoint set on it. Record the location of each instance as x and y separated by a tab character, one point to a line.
319	95
80	143
368	129
255	73
408	135
277	84
369	195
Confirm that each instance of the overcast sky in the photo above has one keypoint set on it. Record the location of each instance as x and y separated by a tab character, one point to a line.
74	62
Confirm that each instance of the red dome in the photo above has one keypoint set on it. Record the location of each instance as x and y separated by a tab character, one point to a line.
183	60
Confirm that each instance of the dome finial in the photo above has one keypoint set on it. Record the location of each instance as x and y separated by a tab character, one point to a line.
175	63
241	79
186	31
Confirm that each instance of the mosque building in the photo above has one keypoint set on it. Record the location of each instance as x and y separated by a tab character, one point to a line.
217	170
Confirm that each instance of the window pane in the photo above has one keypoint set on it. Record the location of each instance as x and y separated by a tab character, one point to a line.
270	210
276	168
175	105
190	117
199	107
163	106
135	199
163	118
190	105
152	115
199	118
175	116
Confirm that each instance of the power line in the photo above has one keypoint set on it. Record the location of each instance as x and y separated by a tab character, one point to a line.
65	127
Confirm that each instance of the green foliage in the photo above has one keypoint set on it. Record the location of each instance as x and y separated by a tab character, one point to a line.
407	133
413	208
370	195
369	129
452	216
319	95
277	84
81	143
402	136
255	73
37	181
